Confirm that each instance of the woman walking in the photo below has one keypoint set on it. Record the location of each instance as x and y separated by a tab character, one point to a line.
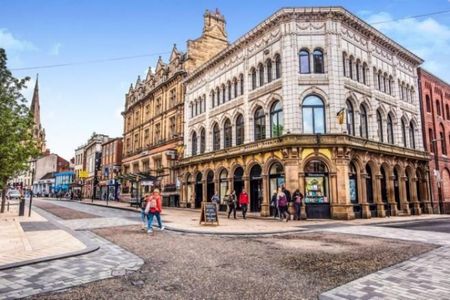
273	205
283	205
155	209
243	202
298	201
232	202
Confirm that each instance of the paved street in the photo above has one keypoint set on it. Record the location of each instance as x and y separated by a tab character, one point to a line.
438	225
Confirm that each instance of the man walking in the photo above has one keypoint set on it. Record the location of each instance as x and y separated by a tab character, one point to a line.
232	203
243	202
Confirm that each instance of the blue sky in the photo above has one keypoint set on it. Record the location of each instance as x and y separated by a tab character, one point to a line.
77	100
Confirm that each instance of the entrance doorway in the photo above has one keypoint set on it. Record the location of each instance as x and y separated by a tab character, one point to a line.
316	190
353	190
369	191
209	185
238	181
397	189
255	189
198	191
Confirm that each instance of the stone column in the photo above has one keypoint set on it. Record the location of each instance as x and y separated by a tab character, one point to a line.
377	189
204	189
404	204
341	207
301	185
414	196
265	206
365	209
291	181
391	195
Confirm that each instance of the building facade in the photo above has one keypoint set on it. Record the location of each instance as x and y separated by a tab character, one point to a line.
435	98
92	163
110	169
45	169
154	115
314	99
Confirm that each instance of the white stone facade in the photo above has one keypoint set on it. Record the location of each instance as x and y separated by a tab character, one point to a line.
383	78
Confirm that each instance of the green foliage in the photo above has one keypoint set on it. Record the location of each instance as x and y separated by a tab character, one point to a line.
17	146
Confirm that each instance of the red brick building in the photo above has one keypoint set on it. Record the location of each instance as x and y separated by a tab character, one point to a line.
435	101
110	169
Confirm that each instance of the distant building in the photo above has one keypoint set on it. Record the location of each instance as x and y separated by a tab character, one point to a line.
92	162
63	181
45	169
435	97
110	169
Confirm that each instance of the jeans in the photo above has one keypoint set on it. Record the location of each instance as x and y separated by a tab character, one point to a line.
232	208
244	209
151	215
283	211
298	210
143	216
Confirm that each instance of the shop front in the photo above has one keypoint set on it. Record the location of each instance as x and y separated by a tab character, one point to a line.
317	190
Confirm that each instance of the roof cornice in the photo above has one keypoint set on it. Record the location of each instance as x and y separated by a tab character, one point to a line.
292	13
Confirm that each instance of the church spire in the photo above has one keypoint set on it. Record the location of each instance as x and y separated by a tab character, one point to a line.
35	108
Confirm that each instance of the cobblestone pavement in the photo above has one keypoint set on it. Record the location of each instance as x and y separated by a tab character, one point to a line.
423	277
109	261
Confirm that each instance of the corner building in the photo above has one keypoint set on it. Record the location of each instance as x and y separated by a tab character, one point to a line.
316	99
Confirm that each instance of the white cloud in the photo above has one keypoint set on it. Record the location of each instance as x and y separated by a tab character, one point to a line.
9	42
54	50
427	38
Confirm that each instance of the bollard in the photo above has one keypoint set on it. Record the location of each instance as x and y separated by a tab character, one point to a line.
22	207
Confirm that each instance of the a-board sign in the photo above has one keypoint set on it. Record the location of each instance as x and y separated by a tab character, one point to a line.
209	214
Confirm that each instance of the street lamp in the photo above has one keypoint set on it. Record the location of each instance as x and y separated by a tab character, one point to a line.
437	171
32	183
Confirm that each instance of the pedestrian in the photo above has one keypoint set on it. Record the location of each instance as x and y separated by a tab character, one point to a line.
243	202
155	209
143	204
231	202
215	199
273	204
283	205
288	197
298	202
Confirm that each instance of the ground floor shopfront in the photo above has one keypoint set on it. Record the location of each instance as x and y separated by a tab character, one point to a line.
341	177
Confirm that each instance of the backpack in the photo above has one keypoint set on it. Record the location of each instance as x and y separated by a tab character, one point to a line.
282	201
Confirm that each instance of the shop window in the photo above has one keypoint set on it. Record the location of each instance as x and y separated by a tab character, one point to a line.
276	177
353	183
316	182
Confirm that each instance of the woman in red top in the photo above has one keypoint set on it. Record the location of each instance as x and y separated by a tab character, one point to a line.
243	202
154	201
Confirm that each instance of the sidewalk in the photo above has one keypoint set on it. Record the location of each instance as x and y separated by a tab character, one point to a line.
25	240
187	220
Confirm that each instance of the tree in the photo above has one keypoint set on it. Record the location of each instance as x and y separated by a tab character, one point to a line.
17	145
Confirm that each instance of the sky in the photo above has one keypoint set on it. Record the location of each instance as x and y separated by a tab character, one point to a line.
78	100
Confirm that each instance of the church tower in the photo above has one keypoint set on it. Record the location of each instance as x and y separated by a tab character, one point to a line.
35	109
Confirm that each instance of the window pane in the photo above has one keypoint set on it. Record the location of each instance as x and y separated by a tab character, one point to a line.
307	120
319	122
304	62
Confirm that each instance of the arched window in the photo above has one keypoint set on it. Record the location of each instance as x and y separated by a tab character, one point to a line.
443	140
431	138
404	133
428	103
313	115
218	96
344	63
260	124
304	61
412	138
196	108
223	93
369	186
276	120
229	91
253	75
318	61
363	125
385	79
223	178
390	129
227	134
194	143
191	106
241	83
350	67
390	86
235	87
447	110
380	126
213	98
269	70
379	77
358	66
202	140
364	73
277	66
261	74
240	130
438	107
350	118
216	137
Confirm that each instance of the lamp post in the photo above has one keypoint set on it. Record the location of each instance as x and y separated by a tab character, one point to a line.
437	171
31	191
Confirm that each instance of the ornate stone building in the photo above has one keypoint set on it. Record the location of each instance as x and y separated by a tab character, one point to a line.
154	114
435	98
318	100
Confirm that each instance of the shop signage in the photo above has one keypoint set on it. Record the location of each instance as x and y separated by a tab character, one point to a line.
209	214
83	174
